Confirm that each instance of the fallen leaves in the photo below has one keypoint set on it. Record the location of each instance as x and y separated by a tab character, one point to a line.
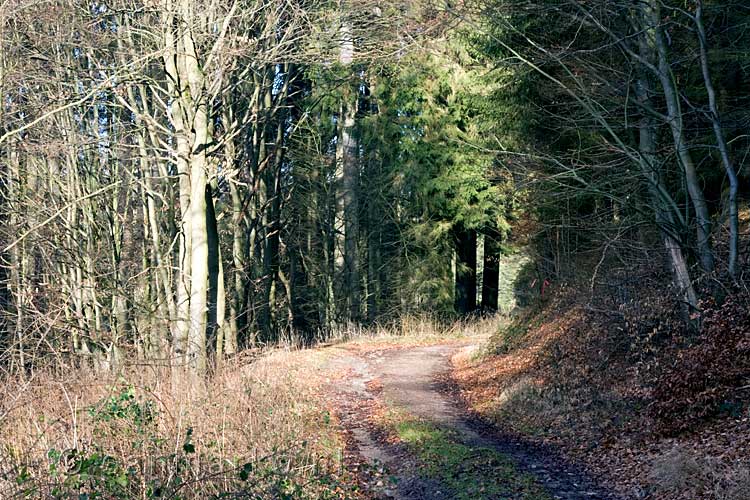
582	379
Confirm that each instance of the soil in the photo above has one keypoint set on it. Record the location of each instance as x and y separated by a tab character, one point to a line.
417	380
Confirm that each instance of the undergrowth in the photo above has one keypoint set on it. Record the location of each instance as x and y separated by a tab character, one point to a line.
253	431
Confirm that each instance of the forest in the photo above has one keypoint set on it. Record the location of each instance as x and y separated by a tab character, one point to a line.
241	240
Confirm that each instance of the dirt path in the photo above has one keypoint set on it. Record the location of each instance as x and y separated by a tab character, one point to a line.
413	380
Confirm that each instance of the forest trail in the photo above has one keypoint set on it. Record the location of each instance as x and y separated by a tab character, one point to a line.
415	381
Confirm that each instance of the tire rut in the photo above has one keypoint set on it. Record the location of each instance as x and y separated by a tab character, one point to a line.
414	379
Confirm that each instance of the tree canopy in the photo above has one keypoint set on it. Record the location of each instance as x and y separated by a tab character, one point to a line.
182	180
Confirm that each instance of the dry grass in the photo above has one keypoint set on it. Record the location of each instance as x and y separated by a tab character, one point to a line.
257	430
417	330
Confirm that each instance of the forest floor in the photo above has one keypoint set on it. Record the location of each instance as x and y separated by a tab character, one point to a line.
488	408
410	436
574	381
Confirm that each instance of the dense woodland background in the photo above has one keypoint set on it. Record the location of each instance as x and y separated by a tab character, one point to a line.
186	184
184	180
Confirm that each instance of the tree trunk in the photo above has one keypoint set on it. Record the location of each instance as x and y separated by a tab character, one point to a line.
236	305
465	298
491	277
196	350
216	292
189	113
346	199
676	125
351	214
178	115
665	220
373	261
734	224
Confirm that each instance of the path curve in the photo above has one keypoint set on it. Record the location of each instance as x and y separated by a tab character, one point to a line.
414	379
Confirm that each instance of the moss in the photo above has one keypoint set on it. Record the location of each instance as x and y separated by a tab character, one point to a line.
468	472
